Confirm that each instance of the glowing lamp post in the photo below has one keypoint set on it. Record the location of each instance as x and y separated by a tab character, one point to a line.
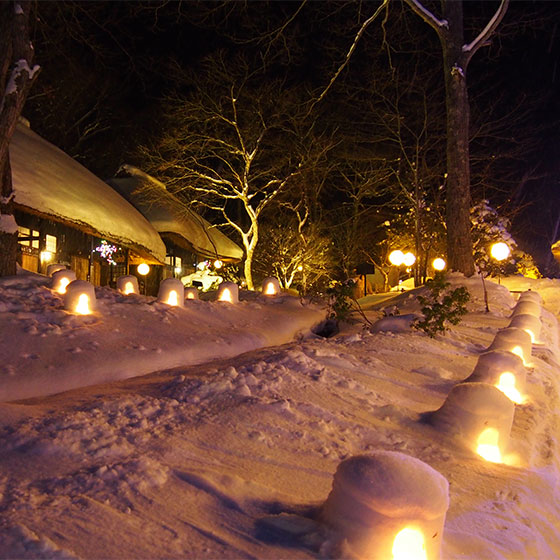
80	297
504	370
270	286
396	258
515	340
61	279
500	252
438	264
388	506
229	292
128	285
409	259
480	416
143	269
172	292
191	293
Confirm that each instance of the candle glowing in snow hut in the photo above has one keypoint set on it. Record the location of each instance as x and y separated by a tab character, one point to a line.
228	291
127	285
504	370
52	268
515	340
409	544
487	445
388	506
61	279
191	293
80	297
529	323
270	286
172	292
472	408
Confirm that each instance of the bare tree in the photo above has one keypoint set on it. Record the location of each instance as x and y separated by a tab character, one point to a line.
233	146
456	57
17	74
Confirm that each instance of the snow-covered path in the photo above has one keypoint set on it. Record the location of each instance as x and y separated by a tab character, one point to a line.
233	458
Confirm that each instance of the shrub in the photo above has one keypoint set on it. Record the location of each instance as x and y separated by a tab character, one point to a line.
441	306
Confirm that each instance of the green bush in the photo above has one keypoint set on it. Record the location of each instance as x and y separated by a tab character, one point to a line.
441	306
341	295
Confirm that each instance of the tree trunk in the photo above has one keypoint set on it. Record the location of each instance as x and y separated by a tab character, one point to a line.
248	269
458	199
8	227
17	75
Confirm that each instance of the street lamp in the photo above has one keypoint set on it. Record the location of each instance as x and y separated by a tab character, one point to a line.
438	264
396	258
500	252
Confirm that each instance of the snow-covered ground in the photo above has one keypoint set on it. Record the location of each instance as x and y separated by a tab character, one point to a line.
227	445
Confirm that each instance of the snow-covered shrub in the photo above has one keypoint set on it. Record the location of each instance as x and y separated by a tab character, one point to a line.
488	227
441	306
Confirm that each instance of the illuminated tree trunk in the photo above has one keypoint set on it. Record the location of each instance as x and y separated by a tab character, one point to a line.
458	199
17	74
456	57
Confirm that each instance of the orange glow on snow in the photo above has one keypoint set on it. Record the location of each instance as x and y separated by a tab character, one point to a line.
270	290
62	285
172	299
190	295
409	545
82	306
226	295
487	445
506	384
128	288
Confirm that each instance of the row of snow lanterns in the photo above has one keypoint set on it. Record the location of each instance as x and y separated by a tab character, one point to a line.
391	506
79	295
480	410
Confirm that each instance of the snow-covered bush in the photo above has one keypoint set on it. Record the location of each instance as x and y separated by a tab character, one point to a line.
488	227
441	306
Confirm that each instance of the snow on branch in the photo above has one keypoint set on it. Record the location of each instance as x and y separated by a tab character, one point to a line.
20	67
491	26
427	16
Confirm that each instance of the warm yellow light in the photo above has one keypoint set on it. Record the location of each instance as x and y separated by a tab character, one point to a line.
500	251
143	269
270	290
46	256
62	285
172	299
518	351
409	259
531	334
409	545
487	445
300	268
82	306
178	269
506	384
218	263
128	288
226	295
396	258
439	264
190	295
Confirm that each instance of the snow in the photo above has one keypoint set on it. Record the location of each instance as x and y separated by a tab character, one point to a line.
169	215
8	224
48	181
215	430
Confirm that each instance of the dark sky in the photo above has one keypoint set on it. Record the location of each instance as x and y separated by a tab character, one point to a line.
105	65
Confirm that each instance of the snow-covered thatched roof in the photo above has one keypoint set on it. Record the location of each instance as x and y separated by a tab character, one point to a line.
49	183
170	217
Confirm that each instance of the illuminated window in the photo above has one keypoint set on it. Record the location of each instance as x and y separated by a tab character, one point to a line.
26	232
50	243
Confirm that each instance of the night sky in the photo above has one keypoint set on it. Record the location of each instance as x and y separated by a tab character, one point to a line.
105	66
